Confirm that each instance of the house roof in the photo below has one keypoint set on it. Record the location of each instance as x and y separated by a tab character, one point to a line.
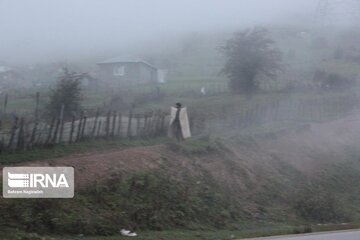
122	60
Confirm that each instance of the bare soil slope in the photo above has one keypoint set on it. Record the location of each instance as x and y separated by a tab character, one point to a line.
241	164
318	146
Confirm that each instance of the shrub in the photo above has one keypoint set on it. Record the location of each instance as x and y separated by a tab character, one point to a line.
333	81
248	54
143	200
318	206
66	94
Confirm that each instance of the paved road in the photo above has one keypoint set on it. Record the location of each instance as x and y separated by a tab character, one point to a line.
344	235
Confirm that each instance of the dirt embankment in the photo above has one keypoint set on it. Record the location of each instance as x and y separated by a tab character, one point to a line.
241	165
318	146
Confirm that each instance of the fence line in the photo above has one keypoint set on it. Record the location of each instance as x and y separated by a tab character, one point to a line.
29	133
25	135
277	111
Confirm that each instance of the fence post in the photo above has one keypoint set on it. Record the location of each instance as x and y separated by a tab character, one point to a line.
128	134
99	129
158	122
95	123
113	125
6	102
33	134
57	125
37	106
138	134
162	124
20	141
72	129
50	131
79	126
61	123
13	132
37	139
145	124
107	126
151	124
119	125
83	128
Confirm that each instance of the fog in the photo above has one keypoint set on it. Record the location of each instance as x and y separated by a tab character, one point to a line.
41	30
180	117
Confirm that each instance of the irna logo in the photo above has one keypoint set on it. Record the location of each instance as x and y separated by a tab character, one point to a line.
18	180
38	182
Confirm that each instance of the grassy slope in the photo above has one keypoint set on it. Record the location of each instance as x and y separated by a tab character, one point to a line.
273	201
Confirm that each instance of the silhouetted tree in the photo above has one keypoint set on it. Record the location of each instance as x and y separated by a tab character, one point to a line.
249	53
67	93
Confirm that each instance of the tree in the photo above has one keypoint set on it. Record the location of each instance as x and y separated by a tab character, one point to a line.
67	94
248	54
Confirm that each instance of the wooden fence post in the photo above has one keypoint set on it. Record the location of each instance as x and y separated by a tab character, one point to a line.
37	100
128	133
57	125
6	102
13	132
113	125
107	126
83	133
137	117
20	141
72	129
163	127
61	123
33	134
95	124
38	138
146	119
151	123
50	131
99	130
158	123
78	136
119	125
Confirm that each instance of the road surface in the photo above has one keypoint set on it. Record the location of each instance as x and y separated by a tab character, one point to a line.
342	235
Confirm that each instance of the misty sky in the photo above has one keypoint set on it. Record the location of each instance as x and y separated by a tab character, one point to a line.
42	30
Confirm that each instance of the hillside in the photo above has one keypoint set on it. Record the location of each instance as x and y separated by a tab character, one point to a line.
302	176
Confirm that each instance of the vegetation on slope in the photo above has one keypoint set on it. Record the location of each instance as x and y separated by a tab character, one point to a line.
158	200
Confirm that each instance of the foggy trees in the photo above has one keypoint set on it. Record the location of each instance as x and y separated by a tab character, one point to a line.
248	54
67	94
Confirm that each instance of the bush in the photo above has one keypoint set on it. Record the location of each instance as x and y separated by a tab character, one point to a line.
248	54
333	81
318	206
66	94
144	200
